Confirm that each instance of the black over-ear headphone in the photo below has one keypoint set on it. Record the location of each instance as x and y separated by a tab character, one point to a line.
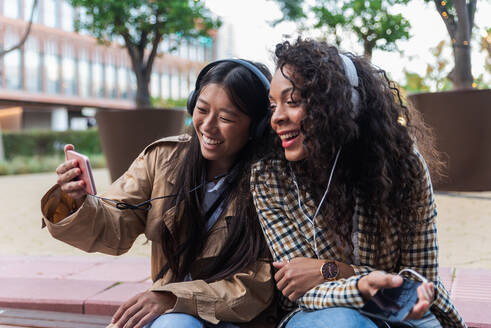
258	128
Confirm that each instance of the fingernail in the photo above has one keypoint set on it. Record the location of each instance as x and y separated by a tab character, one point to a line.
397	279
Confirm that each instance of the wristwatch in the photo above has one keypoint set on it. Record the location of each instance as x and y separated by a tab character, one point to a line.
330	270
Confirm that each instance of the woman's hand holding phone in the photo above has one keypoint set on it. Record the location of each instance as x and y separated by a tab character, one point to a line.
371	283
68	173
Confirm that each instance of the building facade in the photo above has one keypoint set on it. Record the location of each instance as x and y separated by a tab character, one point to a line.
58	72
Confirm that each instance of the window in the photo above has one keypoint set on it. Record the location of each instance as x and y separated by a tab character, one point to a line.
11	8
52	67
12	62
132	86
110	80
28	9
184	49
123	82
68	67
183	79
97	77
209	53
32	65
50	13
67	16
83	75
174	86
193	74
165	86
155	85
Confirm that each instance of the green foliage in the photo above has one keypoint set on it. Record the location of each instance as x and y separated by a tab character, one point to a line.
38	164
415	83
486	47
169	103
371	21
436	75
45	143
139	19
481	82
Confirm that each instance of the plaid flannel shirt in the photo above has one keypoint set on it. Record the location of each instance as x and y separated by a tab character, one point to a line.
289	234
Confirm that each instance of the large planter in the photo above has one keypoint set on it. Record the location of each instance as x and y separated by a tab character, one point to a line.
125	133
461	121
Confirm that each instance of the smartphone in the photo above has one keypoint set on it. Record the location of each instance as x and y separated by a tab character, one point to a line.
84	165
392	304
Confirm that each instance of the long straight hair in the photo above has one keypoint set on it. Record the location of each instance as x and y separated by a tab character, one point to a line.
245	242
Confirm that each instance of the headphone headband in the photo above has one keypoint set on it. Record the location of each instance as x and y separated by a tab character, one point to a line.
251	67
352	75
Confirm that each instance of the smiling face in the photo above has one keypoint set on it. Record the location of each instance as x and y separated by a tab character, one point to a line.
287	112
222	129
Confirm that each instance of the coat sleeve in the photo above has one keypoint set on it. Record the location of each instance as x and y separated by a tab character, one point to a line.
97	225
238	298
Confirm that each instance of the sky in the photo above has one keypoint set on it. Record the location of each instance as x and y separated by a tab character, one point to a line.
246	28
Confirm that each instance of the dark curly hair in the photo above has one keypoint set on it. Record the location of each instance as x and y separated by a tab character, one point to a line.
378	163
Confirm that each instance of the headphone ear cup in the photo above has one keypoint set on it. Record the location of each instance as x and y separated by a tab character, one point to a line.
191	102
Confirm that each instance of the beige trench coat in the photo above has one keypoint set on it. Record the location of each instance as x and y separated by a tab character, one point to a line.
97	226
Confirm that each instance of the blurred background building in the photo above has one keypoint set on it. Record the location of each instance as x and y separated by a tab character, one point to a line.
59	76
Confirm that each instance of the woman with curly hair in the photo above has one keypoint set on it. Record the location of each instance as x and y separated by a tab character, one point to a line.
345	200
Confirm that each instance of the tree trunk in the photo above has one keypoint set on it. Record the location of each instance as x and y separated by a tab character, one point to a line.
461	74
142	75
142	67
142	97
368	49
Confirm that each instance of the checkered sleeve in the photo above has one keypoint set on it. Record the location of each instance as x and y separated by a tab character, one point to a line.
421	253
285	242
342	292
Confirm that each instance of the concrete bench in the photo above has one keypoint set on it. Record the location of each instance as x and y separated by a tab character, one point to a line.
47	319
98	285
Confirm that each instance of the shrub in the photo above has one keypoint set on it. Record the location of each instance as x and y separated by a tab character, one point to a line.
43	143
38	164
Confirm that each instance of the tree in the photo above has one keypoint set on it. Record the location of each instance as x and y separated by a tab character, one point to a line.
435	78
371	21
458	16
143	24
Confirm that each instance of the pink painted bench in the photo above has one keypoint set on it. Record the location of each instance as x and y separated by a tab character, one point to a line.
97	286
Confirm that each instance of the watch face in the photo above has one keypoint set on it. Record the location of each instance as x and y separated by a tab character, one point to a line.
330	270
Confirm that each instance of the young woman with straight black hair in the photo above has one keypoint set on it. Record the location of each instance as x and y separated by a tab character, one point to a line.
210	264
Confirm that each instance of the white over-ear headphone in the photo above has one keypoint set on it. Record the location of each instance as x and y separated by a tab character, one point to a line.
352	75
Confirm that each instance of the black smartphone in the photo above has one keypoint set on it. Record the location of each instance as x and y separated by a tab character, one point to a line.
393	304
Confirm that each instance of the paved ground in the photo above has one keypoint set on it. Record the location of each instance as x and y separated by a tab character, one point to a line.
38	272
464	223
20	217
